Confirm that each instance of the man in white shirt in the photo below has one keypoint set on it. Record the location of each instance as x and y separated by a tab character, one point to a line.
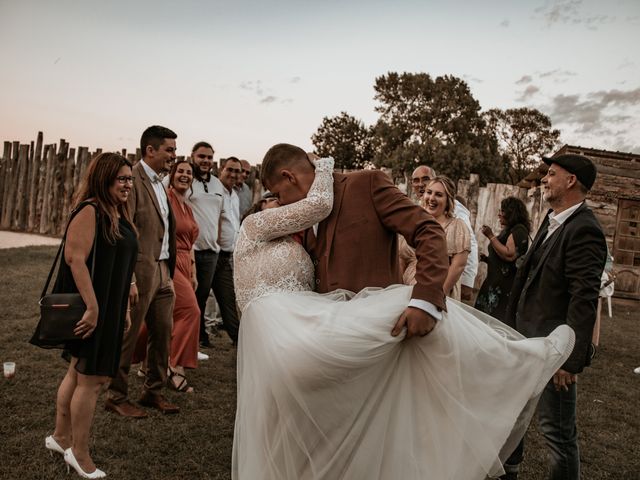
223	289
244	191
419	179
206	202
151	294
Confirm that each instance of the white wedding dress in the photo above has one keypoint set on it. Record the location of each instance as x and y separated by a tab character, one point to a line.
325	392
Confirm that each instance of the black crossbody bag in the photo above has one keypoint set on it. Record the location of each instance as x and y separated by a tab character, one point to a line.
60	312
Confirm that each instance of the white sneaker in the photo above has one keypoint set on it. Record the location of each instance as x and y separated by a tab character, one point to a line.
202	356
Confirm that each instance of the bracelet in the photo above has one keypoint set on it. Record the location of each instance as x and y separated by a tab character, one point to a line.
128	309
133	283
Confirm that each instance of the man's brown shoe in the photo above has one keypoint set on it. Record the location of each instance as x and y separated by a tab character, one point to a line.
159	402
125	409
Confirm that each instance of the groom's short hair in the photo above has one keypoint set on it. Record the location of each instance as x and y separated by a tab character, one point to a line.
282	155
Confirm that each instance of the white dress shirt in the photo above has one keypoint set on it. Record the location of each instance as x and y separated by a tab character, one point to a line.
163	202
468	276
556	220
230	221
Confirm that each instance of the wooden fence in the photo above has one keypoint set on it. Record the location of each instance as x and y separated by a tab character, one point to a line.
38	182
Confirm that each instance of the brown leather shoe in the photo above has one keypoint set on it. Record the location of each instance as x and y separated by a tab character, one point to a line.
125	409
158	402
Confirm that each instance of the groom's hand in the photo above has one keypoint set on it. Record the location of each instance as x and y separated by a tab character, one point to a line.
418	322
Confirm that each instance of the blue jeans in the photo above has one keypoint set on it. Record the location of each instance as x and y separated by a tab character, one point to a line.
557	422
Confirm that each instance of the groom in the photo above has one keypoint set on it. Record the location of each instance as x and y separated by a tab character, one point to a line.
356	245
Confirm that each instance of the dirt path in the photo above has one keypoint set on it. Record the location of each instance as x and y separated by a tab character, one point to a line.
17	239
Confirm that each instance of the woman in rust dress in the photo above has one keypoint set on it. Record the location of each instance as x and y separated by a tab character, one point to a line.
186	313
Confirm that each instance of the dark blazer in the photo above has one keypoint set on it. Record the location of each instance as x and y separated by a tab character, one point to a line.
562	288
357	245
148	220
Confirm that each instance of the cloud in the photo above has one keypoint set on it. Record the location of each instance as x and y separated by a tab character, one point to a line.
596	111
470	78
505	23
558	75
570	12
528	92
264	94
626	63
524	80
560	11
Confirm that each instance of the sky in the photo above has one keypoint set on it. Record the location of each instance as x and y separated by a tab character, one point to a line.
244	74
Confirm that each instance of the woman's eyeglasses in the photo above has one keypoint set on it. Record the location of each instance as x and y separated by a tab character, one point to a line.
123	179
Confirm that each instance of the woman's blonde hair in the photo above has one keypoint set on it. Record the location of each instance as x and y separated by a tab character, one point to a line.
450	190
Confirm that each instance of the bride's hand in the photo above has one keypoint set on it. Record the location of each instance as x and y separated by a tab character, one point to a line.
417	321
322	164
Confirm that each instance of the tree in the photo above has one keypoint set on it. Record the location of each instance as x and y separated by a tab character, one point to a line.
435	122
346	139
524	135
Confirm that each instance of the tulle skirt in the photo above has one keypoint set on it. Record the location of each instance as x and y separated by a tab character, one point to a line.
325	392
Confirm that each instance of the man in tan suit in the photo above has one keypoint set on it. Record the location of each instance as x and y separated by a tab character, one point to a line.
356	245
152	295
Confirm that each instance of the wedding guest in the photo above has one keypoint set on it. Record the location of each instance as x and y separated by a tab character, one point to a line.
101	211
419	180
439	198
244	191
186	314
268	200
558	283
152	295
206	200
504	250
223	289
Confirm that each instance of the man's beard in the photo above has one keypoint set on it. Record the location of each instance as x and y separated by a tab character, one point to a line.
202	175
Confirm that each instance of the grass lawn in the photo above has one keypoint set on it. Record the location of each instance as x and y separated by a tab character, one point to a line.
196	443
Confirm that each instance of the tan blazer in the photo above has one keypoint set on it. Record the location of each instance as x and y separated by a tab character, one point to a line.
357	245
148	220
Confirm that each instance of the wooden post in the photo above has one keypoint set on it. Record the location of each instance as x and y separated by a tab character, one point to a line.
47	190
19	213
56	214
5	168
34	178
42	180
68	190
78	171
10	187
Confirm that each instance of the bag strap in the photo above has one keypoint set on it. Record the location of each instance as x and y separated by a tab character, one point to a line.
64	238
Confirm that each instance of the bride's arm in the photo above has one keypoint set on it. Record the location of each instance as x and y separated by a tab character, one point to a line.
278	222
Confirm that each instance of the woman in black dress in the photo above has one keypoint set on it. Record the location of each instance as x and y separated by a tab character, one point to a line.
504	251
101	210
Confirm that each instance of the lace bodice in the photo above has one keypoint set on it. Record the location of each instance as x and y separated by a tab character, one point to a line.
266	258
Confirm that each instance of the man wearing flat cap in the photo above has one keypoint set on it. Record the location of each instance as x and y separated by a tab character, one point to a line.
558	283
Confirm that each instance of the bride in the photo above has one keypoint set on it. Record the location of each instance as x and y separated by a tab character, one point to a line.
325	391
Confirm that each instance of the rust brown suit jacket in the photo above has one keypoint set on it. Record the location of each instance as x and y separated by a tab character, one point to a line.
148	220
357	244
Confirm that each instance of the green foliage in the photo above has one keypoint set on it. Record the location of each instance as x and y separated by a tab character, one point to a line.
523	135
422	120
346	139
436	122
